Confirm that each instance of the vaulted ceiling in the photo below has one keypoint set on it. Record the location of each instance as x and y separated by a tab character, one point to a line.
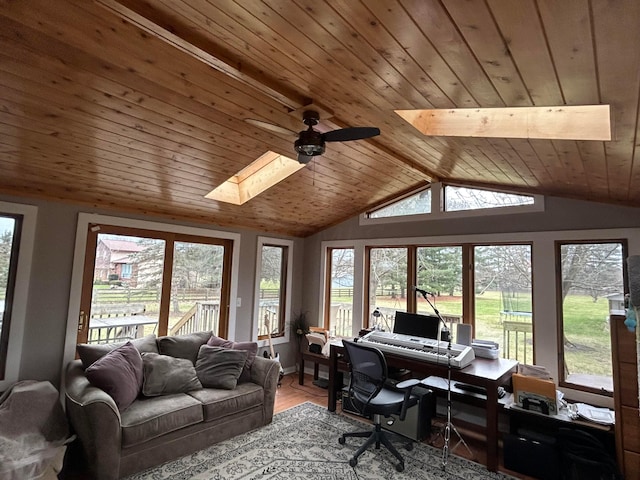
142	106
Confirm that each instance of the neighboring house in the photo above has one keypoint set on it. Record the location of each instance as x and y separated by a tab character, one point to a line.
115	261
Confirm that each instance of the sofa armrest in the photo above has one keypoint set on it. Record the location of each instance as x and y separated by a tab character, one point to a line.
95	418
265	372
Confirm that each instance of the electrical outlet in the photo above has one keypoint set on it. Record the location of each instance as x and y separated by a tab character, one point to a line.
238	302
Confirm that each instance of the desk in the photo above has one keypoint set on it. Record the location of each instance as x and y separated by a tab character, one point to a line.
483	372
317	359
128	325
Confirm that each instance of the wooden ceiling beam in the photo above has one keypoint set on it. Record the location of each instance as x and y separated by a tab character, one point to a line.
153	22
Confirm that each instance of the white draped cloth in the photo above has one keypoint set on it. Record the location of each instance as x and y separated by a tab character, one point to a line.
33	432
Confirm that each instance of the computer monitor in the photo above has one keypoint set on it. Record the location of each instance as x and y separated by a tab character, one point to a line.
417	325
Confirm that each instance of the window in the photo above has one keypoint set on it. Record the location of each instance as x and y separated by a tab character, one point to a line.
150	281
273	289
463	198
439	270
439	201
590	284
414	204
17	233
387	286
10	228
497	302
339	315
503	310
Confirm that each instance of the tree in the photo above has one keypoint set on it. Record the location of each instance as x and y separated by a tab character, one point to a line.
591	268
440	269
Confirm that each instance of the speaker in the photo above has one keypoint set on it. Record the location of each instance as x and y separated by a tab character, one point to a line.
417	424
463	334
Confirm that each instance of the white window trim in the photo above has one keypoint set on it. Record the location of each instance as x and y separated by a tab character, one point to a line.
84	219
438	213
21	292
288	289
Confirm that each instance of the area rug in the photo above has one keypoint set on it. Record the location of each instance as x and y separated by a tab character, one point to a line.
302	443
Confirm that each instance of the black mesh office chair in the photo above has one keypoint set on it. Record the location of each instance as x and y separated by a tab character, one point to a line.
369	396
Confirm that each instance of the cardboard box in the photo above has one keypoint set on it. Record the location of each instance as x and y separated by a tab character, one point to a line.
535	393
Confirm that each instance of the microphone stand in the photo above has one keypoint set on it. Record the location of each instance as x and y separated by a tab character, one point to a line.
449	425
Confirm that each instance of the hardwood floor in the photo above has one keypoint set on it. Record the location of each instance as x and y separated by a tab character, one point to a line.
291	394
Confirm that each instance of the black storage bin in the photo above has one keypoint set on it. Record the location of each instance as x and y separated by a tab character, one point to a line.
533	455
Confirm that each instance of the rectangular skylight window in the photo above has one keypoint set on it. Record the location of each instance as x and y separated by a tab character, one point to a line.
268	170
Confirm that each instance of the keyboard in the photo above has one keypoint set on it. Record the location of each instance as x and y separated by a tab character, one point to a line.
424	349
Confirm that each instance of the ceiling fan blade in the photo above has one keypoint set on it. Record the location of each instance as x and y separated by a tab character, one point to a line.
352	133
304	159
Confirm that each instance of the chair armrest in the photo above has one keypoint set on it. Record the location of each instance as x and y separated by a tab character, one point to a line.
407	386
95	418
412	382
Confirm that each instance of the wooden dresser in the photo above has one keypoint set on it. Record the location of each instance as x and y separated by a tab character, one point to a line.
625	383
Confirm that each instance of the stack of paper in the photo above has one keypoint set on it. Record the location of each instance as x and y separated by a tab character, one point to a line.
603	416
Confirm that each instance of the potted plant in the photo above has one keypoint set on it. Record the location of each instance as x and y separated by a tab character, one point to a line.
300	326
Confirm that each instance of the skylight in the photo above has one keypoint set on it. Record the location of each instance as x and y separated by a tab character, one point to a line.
268	170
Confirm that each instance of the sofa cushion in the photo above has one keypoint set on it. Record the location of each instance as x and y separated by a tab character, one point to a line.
166	375
250	347
89	353
220	403
219	367
152	417
183	346
119	373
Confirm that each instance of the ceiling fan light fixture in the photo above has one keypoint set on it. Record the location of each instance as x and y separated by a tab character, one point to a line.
309	143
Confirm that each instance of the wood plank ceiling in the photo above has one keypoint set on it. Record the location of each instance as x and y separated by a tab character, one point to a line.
98	111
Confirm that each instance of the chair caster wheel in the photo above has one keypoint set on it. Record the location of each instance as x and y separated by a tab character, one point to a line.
353	462
400	467
409	447
341	440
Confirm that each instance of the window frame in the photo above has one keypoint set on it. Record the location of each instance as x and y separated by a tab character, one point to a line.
328	289
437	206
285	299
82	226
558	244
20	295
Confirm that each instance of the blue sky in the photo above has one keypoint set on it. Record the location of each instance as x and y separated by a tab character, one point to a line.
6	224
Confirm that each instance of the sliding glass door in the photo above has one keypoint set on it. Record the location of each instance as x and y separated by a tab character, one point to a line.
138	282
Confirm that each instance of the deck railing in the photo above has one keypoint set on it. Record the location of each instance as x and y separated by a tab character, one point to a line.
202	317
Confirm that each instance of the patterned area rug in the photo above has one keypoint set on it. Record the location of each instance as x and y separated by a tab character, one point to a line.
302	443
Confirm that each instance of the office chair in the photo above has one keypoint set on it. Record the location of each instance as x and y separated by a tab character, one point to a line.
369	396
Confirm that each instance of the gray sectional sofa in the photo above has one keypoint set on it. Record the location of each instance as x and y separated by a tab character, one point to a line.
154	429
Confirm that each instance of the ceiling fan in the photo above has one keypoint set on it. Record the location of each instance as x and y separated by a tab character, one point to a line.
310	142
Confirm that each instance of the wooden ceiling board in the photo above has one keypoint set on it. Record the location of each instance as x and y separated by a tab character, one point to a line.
97	111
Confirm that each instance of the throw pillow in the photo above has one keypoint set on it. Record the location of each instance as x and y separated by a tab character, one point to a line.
183	346
119	373
89	353
219	367
164	375
250	347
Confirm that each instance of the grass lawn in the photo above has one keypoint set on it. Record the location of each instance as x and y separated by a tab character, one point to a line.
587	342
